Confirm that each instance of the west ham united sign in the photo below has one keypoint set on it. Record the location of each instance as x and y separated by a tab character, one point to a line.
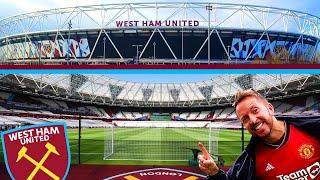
37	152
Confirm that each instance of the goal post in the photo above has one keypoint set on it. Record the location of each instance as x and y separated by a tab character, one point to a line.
155	140
108	141
225	141
172	140
214	130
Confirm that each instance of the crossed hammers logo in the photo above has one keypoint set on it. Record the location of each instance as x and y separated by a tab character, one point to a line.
39	165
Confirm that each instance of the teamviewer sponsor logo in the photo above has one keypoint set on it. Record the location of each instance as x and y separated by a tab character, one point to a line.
311	171
314	170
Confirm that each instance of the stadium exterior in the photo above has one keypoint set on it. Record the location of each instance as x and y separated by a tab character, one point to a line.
159	33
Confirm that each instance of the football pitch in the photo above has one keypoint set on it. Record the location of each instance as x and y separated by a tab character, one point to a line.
152	146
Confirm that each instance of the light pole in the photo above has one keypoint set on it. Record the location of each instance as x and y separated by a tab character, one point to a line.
39	45
228	54
154	50
209	9
137	45
68	42
104	49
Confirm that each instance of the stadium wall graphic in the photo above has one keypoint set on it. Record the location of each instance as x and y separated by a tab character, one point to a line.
241	49
48	49
160	32
80	48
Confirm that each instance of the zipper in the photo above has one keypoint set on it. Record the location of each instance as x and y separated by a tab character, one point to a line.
238	172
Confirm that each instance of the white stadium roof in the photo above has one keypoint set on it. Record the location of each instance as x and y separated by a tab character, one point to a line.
224	15
103	89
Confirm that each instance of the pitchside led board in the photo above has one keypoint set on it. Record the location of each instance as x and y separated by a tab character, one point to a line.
37	151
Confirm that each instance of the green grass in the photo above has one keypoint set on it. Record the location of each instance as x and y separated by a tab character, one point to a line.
151	146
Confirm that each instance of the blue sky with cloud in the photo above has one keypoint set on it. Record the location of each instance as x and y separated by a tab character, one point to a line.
163	78
13	7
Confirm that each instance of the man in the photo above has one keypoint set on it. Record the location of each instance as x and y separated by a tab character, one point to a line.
279	149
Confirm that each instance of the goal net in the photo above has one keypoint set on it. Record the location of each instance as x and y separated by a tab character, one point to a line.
155	140
225	142
108	141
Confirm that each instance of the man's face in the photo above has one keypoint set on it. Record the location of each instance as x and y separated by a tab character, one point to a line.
256	115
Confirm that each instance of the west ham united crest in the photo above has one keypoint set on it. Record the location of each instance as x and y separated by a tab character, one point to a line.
37	152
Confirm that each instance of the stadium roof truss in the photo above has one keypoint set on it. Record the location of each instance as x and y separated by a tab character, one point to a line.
103	19
101	89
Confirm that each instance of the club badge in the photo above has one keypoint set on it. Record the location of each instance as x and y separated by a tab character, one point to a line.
306	151
37	151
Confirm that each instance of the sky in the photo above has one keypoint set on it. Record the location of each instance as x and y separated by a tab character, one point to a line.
163	78
14	7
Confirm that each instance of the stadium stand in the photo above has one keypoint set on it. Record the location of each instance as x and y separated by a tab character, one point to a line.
104	113
193	115
21	105
2	109
184	115
165	124
62	104
226	124
203	115
72	123
217	113
95	110
119	115
283	107
4	95
225	113
48	102
128	115
233	115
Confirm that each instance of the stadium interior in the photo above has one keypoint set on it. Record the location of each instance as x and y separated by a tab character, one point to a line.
117	122
23	104
18	109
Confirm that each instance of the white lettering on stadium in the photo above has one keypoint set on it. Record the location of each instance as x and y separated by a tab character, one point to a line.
157	23
160	173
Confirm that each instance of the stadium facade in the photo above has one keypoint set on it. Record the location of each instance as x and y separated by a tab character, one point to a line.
159	33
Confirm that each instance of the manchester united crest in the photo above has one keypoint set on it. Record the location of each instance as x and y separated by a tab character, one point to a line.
306	151
37	152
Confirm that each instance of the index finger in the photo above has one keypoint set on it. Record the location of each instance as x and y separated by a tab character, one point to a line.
204	151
